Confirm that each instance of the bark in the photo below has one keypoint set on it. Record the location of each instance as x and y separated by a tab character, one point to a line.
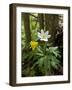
41	21
27	27
51	23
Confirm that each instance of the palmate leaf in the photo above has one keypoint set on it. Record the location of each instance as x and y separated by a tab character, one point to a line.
27	55
40	54
42	65
49	60
40	62
46	65
45	62
54	50
39	50
55	63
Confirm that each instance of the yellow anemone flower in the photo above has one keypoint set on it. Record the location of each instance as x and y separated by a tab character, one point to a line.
33	44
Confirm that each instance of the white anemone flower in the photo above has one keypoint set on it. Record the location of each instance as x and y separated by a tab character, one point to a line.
43	36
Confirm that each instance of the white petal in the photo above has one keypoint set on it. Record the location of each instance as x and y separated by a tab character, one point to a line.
42	31
46	32
44	39
39	35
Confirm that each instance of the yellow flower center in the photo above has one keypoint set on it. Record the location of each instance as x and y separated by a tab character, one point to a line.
33	44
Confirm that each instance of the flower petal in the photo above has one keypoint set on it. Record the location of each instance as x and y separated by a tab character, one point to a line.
39	35
44	39
43	36
42	31
46	32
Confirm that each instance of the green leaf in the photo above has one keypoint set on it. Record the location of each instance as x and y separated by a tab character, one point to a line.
39	50
40	54
40	63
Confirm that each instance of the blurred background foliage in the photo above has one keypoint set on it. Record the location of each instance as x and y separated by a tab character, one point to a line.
43	60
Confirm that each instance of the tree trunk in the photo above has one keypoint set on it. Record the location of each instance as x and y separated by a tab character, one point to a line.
27	27
26	20
51	23
41	21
